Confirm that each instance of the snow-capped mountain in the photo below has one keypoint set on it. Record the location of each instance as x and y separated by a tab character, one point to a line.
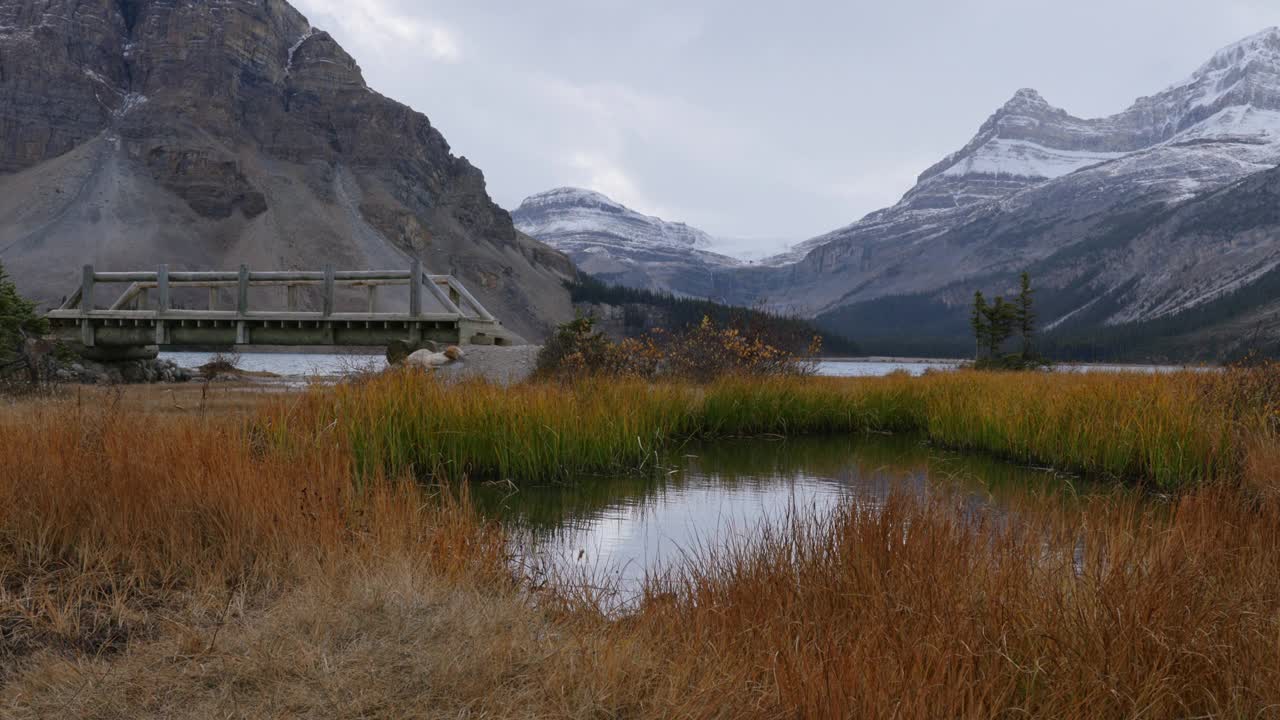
612	242
1078	201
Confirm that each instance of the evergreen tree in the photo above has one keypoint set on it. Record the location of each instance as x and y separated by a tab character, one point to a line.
1026	317
1001	319
18	317
978	321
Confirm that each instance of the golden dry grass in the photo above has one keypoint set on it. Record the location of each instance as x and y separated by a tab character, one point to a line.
924	610
250	563
1171	431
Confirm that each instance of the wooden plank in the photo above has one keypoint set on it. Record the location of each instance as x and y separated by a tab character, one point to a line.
128	297
443	298
415	288
124	277
203	277
87	281
340	276
242	293
327	299
229	316
162	283
73	301
466	295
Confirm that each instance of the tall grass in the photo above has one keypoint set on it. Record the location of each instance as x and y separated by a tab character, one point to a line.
110	519
1170	431
285	559
408	422
926	609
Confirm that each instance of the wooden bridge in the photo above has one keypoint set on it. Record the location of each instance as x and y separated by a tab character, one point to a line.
145	317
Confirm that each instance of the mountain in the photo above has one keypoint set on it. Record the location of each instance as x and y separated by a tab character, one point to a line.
1122	220
618	245
208	134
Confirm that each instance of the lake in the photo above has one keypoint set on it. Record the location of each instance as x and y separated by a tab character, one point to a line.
611	530
330	365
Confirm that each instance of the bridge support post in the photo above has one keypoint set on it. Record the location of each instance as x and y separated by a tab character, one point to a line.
415	288
242	306
327	300
162	287
87	279
242	294
165	302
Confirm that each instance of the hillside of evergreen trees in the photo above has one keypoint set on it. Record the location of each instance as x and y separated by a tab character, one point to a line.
683	312
921	326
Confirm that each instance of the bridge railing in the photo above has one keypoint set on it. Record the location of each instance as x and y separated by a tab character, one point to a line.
457	302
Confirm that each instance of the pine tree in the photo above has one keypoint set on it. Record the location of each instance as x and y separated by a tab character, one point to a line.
18	317
1026	317
1001	318
978	321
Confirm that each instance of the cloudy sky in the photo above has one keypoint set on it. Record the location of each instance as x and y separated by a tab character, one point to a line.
764	122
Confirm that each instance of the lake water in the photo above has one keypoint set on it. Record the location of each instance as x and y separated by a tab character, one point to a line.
610	531
295	365
329	365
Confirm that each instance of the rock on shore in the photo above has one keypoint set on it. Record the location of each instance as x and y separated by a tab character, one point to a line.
503	365
134	372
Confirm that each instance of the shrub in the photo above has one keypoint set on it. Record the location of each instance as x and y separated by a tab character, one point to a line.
701	353
221	364
18	322
575	347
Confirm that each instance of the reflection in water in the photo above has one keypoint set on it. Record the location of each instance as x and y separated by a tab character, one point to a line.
867	368
615	529
331	365
290	364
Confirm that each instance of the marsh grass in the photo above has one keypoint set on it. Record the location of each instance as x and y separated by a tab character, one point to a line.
112	519
925	608
1167	431
282	556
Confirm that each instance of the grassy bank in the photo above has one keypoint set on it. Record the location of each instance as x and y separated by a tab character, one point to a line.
186	556
1171	431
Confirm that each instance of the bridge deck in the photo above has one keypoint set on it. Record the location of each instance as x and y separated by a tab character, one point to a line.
133	321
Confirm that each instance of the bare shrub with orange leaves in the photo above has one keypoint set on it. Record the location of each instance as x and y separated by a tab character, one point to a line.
701	353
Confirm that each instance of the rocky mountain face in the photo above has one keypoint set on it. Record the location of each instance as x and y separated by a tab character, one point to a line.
1099	210
209	133
623	247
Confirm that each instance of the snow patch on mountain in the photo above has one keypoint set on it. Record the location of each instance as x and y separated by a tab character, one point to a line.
297	45
1263	47
574	212
1025	159
611	241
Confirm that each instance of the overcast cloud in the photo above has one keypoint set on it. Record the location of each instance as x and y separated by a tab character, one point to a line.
762	121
